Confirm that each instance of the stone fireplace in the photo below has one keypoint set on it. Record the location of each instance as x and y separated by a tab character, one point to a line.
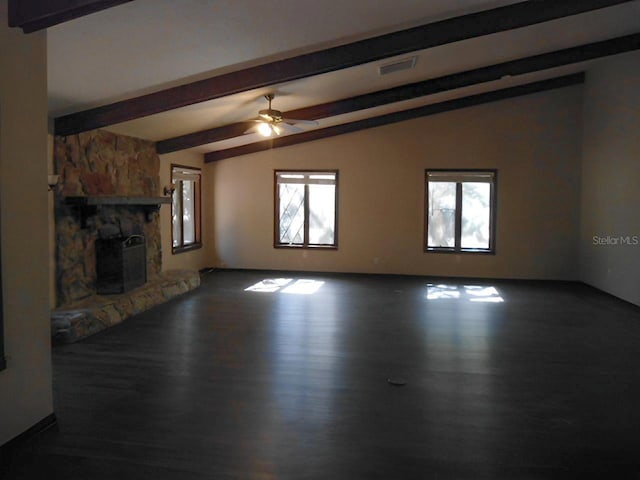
109	188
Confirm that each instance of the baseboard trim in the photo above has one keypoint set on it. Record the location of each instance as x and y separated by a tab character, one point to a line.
47	423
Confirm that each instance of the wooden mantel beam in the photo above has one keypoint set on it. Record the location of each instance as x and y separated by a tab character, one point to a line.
486	22
33	15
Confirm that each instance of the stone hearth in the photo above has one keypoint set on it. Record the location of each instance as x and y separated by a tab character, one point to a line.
96	313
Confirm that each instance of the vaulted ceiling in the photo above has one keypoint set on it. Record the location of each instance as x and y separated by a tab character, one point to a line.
193	74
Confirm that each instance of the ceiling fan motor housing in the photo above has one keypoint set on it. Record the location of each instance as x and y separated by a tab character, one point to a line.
271	115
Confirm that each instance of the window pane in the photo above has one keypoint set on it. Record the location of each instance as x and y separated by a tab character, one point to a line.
441	216
188	212
322	208
476	214
176	212
291	213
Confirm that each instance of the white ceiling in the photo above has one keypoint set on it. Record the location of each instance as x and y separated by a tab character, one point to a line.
148	45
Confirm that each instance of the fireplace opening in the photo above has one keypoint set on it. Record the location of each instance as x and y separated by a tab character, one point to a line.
121	264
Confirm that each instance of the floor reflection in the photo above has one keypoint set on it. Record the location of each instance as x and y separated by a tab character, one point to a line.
304	354
458	336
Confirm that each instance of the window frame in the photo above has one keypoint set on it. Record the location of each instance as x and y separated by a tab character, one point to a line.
276	210
177	185
457	248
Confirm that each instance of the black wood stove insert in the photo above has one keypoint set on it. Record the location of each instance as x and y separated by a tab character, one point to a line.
121	264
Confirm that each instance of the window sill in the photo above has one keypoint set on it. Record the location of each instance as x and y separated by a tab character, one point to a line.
186	248
459	252
306	247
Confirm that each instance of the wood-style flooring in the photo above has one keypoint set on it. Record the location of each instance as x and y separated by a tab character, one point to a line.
504	380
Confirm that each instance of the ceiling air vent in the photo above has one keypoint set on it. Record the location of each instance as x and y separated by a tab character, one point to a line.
398	66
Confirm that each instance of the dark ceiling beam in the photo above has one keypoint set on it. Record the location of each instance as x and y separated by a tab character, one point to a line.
33	15
427	87
203	137
419	38
535	87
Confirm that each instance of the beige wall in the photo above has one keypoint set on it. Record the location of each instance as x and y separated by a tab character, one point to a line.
611	174
533	141
25	386
196	259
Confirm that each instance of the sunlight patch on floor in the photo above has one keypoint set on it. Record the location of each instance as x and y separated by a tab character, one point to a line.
269	285
303	287
286	285
471	293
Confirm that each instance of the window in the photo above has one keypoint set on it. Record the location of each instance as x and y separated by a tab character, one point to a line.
460	211
306	208
185	208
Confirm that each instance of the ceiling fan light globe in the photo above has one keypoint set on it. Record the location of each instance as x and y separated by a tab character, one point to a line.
264	129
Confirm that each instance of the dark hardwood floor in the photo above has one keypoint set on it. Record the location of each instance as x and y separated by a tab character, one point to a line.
507	380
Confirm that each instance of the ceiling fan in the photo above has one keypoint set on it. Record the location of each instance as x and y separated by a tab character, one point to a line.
271	122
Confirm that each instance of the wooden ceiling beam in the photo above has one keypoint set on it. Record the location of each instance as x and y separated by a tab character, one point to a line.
427	87
34	15
419	38
427	110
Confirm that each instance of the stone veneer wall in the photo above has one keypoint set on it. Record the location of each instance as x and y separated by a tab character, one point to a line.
101	163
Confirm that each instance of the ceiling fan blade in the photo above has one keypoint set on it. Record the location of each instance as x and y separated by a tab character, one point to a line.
252	129
305	122
276	129
288	128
